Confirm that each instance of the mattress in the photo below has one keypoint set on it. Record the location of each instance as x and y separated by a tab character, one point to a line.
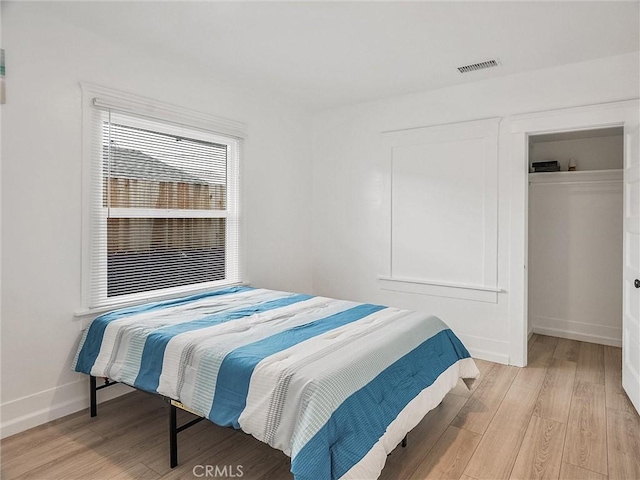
332	383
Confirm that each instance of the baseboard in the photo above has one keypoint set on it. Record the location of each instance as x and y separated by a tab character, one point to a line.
486	348
585	332
42	407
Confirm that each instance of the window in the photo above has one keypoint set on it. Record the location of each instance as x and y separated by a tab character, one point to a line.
164	206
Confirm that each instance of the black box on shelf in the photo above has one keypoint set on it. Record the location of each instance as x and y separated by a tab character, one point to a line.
546	166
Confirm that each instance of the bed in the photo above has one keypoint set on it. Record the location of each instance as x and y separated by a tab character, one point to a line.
336	385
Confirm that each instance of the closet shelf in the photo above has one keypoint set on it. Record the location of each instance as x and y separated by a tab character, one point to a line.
577	177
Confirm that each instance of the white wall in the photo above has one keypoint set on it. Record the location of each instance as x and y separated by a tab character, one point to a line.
575	255
599	153
454	165
41	193
351	181
1	168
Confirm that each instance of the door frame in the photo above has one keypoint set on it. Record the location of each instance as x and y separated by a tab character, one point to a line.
520	127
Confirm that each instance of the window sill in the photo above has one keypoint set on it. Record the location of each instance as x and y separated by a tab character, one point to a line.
478	293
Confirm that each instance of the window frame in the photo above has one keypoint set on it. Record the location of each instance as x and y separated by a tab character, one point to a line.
164	118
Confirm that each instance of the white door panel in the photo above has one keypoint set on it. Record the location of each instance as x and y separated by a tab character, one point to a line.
631	271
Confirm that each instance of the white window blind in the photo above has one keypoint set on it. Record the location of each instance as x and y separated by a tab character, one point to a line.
164	216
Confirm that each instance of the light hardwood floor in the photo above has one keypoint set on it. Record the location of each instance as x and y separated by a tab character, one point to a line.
564	416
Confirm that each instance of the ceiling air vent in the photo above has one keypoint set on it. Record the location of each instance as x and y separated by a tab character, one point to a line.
478	66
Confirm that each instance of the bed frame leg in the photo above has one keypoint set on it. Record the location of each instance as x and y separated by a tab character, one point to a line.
173	435
404	441
92	393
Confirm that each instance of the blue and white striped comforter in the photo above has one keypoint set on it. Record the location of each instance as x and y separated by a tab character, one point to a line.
332	383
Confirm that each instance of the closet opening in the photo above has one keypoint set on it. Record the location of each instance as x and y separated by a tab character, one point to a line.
575	235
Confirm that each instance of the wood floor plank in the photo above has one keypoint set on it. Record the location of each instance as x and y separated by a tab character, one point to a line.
540	357
623	438
68	447
586	440
226	453
254	462
138	471
403	461
615	395
532	340
247	463
568	350
449	456
547	340
110	455
590	363
476	415
540	455
498	449
110	420
118	456
461	388
282	471
557	388
43	436
571	472
211	444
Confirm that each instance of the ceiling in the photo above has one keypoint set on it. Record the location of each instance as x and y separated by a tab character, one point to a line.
327	54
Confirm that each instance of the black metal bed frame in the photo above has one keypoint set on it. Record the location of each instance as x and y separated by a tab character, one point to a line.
174	405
